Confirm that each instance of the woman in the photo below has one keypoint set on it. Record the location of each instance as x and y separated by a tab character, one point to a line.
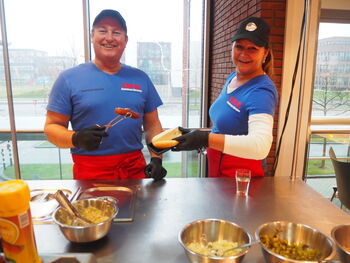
242	116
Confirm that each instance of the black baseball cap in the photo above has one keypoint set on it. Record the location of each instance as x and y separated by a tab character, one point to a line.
254	29
113	14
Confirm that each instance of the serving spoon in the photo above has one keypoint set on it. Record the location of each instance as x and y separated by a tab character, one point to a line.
78	220
218	253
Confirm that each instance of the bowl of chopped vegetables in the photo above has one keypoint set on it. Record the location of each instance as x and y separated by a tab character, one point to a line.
100	212
290	242
208	240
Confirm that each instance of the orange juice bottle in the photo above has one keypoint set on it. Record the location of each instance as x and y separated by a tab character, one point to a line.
16	227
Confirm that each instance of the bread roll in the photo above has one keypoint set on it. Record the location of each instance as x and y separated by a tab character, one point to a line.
165	138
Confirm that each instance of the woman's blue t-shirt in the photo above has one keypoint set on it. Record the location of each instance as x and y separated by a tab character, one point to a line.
230	112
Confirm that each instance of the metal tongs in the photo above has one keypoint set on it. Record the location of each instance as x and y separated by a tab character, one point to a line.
122	114
117	119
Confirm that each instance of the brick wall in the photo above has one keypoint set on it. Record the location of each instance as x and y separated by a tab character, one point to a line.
226	15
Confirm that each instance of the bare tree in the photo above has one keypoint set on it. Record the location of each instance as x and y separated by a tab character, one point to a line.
329	98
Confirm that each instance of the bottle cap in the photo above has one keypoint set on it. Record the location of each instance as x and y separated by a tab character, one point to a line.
14	198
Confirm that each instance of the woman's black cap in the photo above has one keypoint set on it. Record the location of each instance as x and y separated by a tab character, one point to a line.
254	29
113	14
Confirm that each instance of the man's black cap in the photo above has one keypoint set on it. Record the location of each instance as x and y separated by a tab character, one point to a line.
113	14
254	29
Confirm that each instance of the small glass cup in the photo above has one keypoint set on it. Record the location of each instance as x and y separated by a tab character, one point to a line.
243	177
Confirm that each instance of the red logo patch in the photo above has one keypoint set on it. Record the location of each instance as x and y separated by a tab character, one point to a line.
131	86
235	102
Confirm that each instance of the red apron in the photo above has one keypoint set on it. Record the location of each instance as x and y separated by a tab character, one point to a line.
225	165
120	166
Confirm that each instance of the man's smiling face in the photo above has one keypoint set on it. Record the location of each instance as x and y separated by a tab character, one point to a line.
109	39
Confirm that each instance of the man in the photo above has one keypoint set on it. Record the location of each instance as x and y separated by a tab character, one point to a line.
86	96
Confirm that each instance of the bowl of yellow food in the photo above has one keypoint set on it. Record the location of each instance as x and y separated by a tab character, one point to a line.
290	242
209	240
341	236
100	212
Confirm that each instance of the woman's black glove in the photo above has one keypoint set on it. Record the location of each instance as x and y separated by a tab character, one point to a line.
89	138
155	169
191	140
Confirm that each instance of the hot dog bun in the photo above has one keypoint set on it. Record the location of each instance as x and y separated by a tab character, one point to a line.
165	144
165	138
124	111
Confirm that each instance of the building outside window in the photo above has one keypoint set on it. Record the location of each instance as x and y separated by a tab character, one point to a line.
55	42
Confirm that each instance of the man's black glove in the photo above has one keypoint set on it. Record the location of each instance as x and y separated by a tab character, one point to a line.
193	140
155	169
89	138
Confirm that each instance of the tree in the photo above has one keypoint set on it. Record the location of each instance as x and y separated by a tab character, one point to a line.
329	99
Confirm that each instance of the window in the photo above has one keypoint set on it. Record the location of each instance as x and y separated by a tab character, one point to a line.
331	99
49	37
331	92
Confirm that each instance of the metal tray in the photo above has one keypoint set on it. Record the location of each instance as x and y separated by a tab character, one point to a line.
124	195
43	204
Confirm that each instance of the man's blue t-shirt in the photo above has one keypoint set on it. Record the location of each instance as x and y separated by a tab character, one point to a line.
230	112
90	96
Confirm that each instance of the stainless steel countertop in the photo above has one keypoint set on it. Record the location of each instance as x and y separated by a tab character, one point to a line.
163	208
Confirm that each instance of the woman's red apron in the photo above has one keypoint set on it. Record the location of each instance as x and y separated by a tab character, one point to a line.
121	166
225	165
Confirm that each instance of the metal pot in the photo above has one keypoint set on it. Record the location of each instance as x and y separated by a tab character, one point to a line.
86	233
213	230
341	236
295	233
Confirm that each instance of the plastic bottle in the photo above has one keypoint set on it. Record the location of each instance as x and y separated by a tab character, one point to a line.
16	227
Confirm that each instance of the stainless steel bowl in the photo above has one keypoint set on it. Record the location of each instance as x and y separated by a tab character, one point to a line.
87	233
341	236
213	230
295	233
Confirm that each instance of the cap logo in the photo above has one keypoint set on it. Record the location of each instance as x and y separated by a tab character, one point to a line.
251	26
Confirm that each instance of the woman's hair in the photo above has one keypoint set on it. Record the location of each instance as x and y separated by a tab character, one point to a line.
268	63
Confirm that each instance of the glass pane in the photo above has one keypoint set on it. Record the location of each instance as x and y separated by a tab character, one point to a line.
48	40
319	163
332	77
39	159
156	45
4	113
195	63
320	172
6	155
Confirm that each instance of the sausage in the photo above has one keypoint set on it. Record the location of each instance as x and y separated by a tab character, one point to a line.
124	111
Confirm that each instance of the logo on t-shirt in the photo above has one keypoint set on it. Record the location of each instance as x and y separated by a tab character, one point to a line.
131	87
234	103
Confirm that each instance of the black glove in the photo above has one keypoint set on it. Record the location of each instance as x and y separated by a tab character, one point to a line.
155	169
193	140
184	130
89	138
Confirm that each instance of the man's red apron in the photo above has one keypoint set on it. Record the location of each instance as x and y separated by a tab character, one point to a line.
121	166
225	165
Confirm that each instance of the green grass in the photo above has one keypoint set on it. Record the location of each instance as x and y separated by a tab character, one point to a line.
315	138
314	167
51	171
41	171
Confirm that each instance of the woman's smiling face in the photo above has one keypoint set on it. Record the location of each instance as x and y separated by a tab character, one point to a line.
248	57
